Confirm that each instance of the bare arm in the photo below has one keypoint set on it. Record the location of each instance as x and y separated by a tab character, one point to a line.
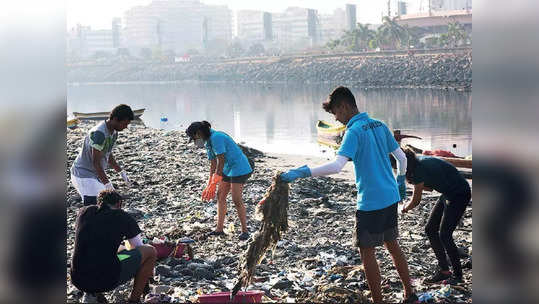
213	166
97	156
220	164
113	164
416	197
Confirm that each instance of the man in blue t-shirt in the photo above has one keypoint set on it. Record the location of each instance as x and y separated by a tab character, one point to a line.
368	143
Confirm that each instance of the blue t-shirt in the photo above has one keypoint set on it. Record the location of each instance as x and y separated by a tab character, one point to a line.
236	163
368	142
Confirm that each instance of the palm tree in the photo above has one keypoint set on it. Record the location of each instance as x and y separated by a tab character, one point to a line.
365	35
393	33
456	34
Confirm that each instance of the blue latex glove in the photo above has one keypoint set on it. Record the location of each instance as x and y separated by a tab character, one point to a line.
294	174
401	182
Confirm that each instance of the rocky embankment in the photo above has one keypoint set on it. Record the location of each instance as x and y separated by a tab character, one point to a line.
451	70
314	262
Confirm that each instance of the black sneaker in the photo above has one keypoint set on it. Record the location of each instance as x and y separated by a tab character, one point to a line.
411	299
216	233
438	277
244	236
453	280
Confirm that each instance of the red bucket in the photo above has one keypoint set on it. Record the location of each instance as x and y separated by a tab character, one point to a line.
251	296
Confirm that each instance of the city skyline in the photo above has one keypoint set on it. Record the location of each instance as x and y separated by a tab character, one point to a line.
99	13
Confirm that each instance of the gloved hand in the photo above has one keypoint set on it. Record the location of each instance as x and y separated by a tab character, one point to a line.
109	186
294	174
401	182
126	179
206	189
209	193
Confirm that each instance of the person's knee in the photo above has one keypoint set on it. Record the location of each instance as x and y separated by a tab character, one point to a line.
238	202
148	252
89	200
445	237
366	251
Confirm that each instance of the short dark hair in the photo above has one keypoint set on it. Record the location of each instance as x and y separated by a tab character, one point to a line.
108	197
202	126
339	95
122	112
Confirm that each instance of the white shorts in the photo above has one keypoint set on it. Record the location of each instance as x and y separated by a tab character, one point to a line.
87	186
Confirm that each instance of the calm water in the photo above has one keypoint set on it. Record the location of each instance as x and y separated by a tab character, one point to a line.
282	118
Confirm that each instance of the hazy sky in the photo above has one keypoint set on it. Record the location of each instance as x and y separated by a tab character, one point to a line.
99	13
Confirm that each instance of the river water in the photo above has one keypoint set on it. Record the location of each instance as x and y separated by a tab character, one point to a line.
280	118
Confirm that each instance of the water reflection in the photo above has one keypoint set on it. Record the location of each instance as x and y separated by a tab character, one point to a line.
282	118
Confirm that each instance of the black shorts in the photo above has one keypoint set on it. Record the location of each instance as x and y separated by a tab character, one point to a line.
373	228
130	261
236	179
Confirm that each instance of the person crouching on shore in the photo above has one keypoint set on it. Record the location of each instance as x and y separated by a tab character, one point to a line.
427	173
229	169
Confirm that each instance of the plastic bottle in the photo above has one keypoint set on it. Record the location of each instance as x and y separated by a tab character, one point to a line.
163	124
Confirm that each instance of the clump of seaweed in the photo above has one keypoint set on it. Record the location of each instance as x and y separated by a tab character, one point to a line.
272	211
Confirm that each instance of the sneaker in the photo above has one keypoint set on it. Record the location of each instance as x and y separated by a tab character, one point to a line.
216	233
244	236
89	298
453	280
411	299
438	277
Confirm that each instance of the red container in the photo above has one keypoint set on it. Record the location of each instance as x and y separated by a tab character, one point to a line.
251	296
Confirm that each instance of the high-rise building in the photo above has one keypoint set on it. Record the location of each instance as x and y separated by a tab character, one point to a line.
350	16
254	26
332	26
219	21
84	42
116	32
401	8
177	25
296	28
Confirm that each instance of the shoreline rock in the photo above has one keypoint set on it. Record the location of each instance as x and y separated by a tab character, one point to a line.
443	71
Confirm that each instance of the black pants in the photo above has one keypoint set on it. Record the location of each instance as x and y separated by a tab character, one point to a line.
443	220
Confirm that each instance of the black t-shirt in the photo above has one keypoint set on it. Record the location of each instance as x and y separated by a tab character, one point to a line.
441	176
95	266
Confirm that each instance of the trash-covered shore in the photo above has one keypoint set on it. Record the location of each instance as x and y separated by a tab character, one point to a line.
315	261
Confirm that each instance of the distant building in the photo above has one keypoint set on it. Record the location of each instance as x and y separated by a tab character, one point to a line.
254	26
401	8
219	22
83	42
332	26
116	32
177	25
450	5
350	16
296	28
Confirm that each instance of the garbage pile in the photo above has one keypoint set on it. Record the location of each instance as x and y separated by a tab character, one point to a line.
313	261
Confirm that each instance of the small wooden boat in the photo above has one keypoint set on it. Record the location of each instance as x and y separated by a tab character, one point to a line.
330	135
73	123
103	115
